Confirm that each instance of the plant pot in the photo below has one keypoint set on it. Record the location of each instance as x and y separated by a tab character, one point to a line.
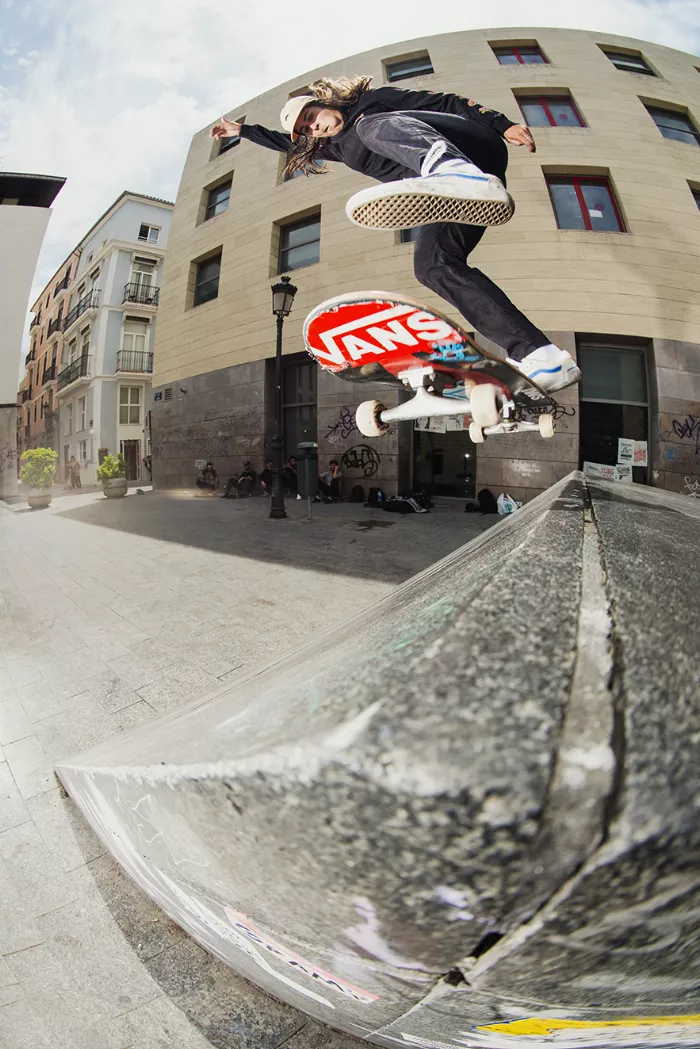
39	498
115	487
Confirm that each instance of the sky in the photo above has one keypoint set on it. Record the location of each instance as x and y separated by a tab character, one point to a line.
108	95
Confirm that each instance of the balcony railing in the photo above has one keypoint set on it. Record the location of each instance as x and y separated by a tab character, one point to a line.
49	374
55	325
79	368
62	286
27	394
134	361
35	320
87	302
31	356
144	294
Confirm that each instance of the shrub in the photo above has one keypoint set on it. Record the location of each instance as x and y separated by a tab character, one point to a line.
111	466
38	467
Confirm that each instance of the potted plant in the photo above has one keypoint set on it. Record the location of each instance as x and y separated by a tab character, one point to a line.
38	472
112	474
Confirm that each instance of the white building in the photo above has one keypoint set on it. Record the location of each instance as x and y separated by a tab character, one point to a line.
25	209
108	333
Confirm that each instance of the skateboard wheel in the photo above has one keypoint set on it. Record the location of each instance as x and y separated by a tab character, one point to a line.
476	434
546	425
367	418
483	405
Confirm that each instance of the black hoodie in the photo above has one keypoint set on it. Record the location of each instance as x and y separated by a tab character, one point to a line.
347	147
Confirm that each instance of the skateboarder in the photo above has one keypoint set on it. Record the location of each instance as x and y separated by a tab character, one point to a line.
436	157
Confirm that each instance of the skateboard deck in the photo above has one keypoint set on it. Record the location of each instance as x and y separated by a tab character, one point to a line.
382	337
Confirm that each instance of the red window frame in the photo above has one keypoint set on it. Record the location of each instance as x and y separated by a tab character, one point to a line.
516	52
577	181
544	101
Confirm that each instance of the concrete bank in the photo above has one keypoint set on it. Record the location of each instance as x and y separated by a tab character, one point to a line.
468	815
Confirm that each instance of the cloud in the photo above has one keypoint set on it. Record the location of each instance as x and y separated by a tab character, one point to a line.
109	96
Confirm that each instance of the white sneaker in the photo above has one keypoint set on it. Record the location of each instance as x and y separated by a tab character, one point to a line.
455	191
550	367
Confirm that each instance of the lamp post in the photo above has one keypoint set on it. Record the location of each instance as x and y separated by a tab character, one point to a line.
282	299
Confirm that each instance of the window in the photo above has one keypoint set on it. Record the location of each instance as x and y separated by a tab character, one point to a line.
206	285
129	404
696	196
149	233
82	451
81	414
228	143
407	236
549	111
85	342
675	125
35	404
632	63
409	67
142	271
584	203
218	199
72	350
135	335
300	244
522	55
80	292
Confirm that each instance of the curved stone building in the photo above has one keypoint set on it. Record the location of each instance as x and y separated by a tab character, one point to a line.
603	254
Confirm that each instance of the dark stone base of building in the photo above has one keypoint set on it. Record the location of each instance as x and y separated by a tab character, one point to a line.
648	391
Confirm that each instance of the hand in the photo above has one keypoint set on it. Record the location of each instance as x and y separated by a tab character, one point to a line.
520	135
225	129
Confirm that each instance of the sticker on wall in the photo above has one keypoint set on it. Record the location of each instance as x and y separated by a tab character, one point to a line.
640	453
158	395
199	464
604	472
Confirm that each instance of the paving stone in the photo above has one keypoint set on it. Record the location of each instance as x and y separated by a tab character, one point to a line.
112	691
82	721
21	1027
13	810
63	830
38	700
29	766
32	866
129	717
176	685
157	1025
14	723
18	930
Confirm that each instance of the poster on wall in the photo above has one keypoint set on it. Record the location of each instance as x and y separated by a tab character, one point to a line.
625	450
640	453
603	472
454	422
199	464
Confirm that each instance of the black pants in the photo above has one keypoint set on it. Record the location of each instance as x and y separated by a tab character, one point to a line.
441	249
205	484
329	491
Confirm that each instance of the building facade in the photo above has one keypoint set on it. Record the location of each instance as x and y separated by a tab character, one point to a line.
25	210
603	254
96	325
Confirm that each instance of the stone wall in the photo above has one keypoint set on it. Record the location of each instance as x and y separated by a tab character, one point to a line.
675	430
218	415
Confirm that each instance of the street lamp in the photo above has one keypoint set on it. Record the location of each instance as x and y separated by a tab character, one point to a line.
282	300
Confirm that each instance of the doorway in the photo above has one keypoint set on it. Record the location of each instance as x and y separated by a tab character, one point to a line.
613	401
444	463
299	403
131	450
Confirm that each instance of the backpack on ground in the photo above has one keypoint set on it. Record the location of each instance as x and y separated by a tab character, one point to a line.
487	502
357	495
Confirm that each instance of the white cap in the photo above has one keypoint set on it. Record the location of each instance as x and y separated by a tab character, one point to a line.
290	113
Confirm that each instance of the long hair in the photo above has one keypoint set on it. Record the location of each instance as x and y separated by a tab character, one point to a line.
307	154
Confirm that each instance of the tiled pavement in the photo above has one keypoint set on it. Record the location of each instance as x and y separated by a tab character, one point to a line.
112	612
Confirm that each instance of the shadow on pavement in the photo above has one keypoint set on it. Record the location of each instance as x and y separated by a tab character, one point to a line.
343	539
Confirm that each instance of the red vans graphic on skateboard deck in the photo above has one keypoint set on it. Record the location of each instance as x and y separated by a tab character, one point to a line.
374	336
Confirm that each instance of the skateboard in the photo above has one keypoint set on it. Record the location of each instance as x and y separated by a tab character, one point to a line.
377	336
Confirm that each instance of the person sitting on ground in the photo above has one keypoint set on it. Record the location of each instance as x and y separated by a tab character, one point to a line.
266	478
208	478
290	477
329	483
247	480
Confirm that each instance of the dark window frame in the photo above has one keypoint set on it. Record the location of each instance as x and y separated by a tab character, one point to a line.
408	236
692	129
210	211
395	63
646	69
544	101
199	284
518	50
696	195
577	181
286	227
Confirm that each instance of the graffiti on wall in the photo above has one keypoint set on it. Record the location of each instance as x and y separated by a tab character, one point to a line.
362	457
688	429
692	487
342	428
560	411
8	459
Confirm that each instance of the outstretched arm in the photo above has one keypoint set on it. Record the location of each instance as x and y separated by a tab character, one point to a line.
262	136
